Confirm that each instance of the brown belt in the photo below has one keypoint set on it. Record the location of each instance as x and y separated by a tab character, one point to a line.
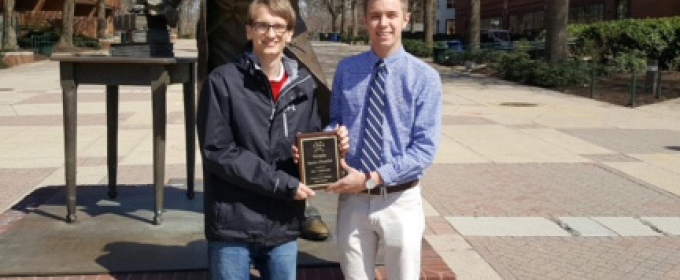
392	189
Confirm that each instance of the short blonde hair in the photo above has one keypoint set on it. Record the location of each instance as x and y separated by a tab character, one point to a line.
279	8
404	5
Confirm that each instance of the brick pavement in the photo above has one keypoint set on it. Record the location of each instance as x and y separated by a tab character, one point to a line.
562	157
614	258
544	190
599	167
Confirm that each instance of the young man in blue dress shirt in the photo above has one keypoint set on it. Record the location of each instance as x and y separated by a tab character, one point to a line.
381	205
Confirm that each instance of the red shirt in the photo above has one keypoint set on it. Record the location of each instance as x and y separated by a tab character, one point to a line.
277	86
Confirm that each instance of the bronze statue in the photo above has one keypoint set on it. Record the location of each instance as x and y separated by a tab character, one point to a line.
164	9
221	35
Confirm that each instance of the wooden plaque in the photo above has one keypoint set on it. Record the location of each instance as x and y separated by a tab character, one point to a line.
319	159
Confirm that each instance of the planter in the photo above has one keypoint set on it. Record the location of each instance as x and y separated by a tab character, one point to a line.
17	58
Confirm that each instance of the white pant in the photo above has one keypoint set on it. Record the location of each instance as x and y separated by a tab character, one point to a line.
395	221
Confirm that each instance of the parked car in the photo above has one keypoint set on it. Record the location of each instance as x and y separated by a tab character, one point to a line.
496	39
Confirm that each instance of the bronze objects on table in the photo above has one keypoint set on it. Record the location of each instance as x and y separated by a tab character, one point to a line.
319	159
144	31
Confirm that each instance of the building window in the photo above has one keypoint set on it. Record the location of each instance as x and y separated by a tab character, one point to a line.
450	26
449	4
490	23
586	13
622	9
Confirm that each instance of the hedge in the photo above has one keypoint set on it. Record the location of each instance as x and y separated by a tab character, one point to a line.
652	38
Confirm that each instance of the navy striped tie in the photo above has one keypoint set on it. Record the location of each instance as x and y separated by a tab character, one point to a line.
375	112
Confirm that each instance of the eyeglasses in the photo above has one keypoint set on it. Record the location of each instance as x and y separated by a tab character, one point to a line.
263	27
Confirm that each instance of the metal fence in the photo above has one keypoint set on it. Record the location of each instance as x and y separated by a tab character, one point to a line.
634	89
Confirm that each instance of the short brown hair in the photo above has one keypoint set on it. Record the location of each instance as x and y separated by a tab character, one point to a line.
279	8
404	5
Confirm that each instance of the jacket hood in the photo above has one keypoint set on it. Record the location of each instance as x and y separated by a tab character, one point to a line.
249	62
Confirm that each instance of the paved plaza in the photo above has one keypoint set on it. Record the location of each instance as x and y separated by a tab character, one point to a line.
528	183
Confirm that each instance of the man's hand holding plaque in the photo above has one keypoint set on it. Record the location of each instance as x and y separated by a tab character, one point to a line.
318	156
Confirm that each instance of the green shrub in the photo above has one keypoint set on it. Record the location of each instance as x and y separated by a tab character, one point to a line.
519	67
627	62
86	42
449	58
452	57
653	38
674	64
361	39
417	48
440	45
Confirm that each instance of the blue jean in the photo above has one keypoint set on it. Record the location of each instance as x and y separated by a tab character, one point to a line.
232	260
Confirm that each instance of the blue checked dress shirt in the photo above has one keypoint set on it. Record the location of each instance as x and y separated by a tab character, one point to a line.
412	114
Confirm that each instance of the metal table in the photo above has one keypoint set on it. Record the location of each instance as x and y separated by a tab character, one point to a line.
114	72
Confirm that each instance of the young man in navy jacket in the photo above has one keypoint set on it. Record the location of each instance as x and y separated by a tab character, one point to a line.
249	113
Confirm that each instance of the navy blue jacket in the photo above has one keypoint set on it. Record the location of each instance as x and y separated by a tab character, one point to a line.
245	140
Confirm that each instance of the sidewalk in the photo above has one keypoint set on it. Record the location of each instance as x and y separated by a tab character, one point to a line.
528	183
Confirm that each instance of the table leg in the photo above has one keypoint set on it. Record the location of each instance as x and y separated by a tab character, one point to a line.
159	83
69	97
112	137
190	128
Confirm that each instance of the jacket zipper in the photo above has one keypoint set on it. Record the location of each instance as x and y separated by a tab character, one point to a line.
286	90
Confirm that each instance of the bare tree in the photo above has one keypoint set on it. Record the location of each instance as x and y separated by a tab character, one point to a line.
556	20
101	19
68	15
334	8
9	38
414	10
355	18
475	24
429	21
188	16
125	6
343	17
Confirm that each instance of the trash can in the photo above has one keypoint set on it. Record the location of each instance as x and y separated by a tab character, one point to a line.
455	45
335	37
45	48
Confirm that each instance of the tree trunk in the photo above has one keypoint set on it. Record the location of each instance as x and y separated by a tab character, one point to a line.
556	20
334	26
343	17
66	38
475	24
428	25
9	38
101	19
355	18
181	10
412	20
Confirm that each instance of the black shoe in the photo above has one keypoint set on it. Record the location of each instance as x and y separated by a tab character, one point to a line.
313	228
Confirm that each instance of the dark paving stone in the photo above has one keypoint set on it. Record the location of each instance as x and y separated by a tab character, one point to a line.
118	235
57	120
465	120
630	141
610	158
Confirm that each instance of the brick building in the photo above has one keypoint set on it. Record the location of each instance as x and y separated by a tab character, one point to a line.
524	18
46	15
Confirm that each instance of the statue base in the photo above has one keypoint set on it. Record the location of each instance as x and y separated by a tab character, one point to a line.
144	43
142	50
